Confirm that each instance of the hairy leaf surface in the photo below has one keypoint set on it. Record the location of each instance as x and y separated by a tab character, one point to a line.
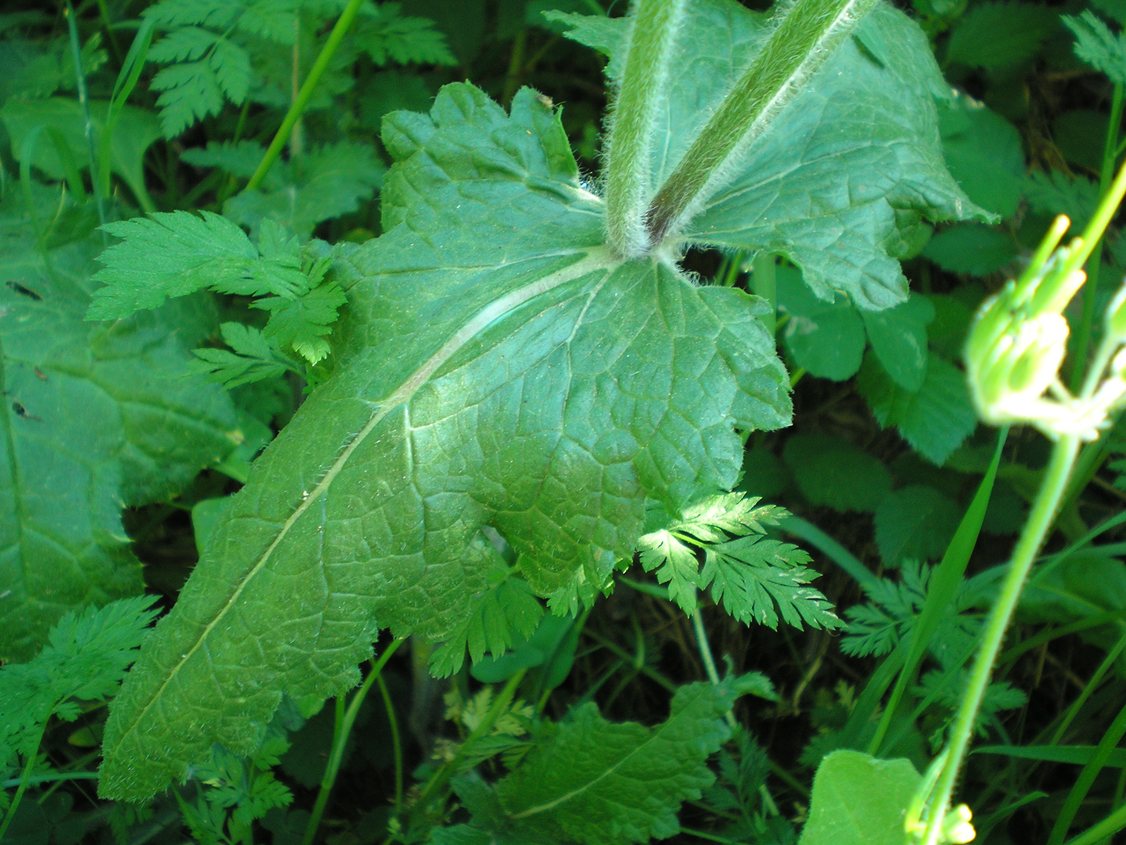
499	372
843	179
95	416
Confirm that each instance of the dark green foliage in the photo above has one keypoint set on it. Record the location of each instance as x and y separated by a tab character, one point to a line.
461	517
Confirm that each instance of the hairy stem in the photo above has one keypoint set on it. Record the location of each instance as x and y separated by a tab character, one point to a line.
1032	537
652	30
803	35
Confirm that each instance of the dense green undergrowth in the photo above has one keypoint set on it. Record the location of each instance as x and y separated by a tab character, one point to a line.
580	454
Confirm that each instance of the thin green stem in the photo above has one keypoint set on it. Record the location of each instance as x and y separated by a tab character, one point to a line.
1046	635
107	27
345	721
54	777
1092	236
942	591
705	647
84	101
652	30
627	658
396	740
127	79
842	557
1031	539
1109	661
297	109
764	283
803	36
25	779
515	70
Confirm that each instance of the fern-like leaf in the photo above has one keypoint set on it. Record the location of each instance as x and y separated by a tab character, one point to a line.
177	253
757	579
503	613
86	656
251	357
675	564
1096	45
387	35
749	575
892	611
209	70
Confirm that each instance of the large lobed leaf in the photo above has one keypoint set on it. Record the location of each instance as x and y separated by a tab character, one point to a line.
95	417
503	381
499	370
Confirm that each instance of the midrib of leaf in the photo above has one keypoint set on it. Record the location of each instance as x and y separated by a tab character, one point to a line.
574	793
594	260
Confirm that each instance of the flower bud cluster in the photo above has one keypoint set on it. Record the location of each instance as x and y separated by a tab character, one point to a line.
1018	343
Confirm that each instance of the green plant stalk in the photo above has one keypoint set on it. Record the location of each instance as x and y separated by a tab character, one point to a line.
628	659
842	557
652	31
764	282
84	101
297	108
345	721
1087	777
1032	537
516	60
127	78
1087	539
803	36
1097	620
396	740
54	777
1089	688
25	779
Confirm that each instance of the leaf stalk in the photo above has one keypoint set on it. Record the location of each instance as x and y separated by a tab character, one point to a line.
652	32
802	37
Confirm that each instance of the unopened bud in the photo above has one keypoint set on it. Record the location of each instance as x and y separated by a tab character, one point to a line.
956	827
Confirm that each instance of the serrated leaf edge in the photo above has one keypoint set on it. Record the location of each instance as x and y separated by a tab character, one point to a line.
591	261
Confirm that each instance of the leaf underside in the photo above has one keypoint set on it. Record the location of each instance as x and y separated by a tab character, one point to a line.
846	174
499	374
499	370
